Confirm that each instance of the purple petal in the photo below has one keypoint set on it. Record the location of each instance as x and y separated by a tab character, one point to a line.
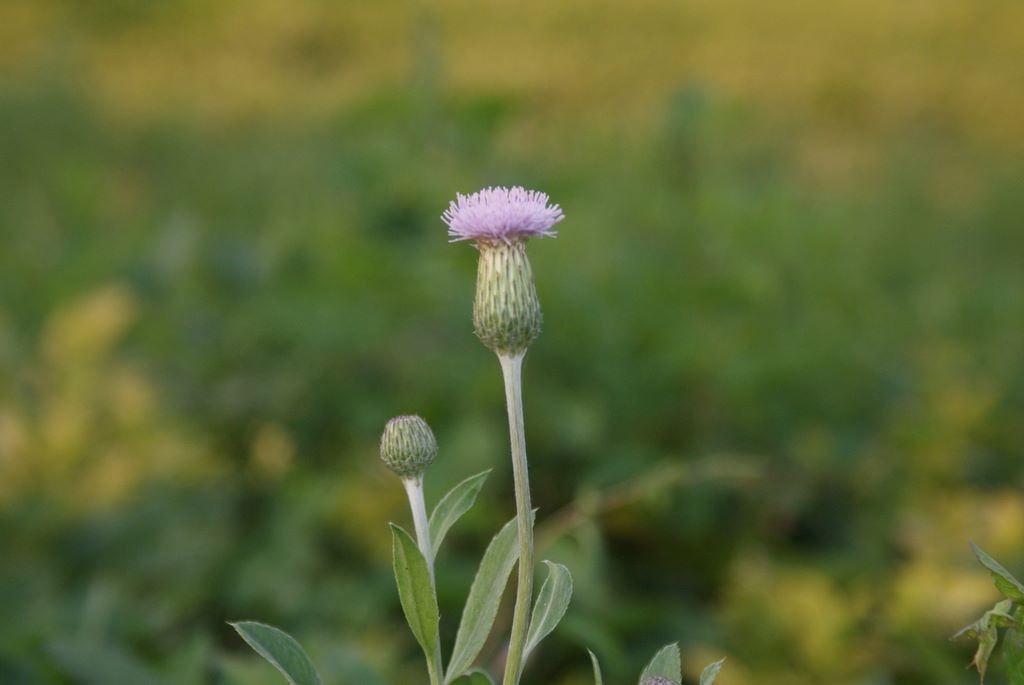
501	214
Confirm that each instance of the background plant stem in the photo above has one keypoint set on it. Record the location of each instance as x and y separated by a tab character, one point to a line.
511	367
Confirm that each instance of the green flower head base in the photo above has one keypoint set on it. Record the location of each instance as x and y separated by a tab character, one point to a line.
408	446
506	312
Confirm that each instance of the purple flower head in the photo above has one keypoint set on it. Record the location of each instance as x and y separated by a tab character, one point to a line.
501	214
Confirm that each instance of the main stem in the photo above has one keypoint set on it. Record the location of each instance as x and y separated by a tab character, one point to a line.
414	489
511	367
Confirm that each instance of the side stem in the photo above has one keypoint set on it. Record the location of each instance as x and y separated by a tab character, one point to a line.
511	367
414	489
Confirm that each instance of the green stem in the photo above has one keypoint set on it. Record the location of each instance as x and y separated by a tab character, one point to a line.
511	367
414	489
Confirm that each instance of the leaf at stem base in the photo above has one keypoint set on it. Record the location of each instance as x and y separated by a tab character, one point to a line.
552	602
598	680
484	599
281	650
665	664
416	593
707	677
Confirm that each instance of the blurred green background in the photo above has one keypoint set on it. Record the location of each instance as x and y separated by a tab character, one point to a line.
780	387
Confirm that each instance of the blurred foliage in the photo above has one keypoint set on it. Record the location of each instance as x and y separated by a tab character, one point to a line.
789	286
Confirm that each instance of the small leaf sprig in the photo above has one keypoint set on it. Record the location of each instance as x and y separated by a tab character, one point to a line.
1008	615
664	668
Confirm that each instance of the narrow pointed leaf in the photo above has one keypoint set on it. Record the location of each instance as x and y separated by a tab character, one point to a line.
997	617
453	505
987	640
665	664
483	600
711	672
552	602
598	680
281	650
1004	580
416	592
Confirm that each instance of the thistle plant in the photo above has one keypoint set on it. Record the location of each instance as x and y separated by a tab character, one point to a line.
507	319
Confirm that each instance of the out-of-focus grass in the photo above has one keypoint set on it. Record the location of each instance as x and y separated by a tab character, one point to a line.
793	247
862	70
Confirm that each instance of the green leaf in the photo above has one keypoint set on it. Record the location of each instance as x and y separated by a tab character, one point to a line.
1013	656
416	592
548	610
1004	580
986	631
598	680
997	617
665	664
711	672
453	505
281	650
986	643
483	600
475	677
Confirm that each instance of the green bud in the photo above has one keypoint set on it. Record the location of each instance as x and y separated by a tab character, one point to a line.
408	446
506	312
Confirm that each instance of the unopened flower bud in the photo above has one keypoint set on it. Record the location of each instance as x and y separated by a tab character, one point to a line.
506	311
408	446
